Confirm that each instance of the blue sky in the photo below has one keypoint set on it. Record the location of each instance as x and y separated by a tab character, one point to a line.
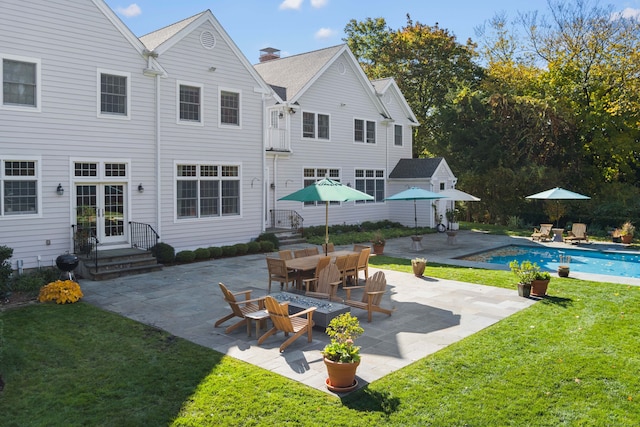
297	26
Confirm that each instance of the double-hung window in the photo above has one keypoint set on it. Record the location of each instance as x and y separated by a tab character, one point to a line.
229	108
315	126
370	181
19	187
397	135
113	94
190	103
207	190
312	175
364	131
20	83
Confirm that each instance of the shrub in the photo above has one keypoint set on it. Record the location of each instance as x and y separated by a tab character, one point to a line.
216	251
5	269
185	256
266	246
241	248
253	247
33	280
229	251
164	253
61	292
202	254
269	237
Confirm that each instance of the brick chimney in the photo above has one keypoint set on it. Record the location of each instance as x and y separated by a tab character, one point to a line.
268	54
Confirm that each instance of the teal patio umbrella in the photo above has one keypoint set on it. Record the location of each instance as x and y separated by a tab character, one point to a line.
327	190
416	193
558	194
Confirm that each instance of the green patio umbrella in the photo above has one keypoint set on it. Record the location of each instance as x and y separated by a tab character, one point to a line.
327	190
558	194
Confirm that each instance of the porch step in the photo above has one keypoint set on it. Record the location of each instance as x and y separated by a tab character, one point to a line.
114	263
288	236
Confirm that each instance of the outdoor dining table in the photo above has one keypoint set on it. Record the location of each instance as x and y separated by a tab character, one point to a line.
309	263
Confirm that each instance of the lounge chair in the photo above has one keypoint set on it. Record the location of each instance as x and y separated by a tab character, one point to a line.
578	232
239	308
282	321
544	232
372	296
325	285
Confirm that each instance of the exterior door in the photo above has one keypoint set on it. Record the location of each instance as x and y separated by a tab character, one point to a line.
101	208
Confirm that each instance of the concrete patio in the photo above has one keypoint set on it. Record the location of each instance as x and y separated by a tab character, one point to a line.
430	314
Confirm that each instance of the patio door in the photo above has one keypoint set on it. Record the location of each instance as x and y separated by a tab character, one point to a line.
101	208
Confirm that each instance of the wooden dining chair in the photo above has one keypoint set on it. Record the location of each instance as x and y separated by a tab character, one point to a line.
299	253
350	269
285	254
363	263
312	251
359	248
278	272
297	323
328	247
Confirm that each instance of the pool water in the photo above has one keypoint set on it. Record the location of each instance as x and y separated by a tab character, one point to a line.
622	264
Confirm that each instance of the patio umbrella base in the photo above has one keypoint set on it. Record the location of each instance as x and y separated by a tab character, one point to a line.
416	243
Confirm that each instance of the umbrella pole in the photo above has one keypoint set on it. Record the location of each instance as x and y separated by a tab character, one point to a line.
326	229
415	217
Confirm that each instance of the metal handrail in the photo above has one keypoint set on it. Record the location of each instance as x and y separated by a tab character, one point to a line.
85	242
143	236
282	218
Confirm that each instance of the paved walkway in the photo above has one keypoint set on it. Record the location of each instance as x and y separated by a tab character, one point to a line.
430	314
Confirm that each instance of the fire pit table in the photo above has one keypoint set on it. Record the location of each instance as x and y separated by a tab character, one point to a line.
326	310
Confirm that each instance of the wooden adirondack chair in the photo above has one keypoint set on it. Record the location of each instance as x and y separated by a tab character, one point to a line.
297	323
544	232
372	296
325	285
239	308
578	232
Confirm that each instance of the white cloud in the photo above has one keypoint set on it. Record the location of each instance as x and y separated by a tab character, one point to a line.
291	4
130	11
325	33
628	13
319	3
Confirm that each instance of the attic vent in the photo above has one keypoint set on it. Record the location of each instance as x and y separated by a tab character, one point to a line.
207	39
341	68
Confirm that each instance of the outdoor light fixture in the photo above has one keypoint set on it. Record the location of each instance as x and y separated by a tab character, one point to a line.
140	188
60	190
292	111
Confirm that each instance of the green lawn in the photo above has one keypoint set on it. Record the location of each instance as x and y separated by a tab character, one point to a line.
571	359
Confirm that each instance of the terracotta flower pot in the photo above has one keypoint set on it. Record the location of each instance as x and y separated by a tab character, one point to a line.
342	376
627	239
378	249
563	271
539	287
418	268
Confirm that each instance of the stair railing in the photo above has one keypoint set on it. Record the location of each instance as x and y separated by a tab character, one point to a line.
143	236
282	218
85	242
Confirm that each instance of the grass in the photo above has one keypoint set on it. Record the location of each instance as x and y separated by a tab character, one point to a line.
570	359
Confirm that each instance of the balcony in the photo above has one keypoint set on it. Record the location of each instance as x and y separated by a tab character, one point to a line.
278	140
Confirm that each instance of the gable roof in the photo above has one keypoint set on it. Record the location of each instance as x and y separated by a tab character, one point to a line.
416	168
388	86
160	41
295	74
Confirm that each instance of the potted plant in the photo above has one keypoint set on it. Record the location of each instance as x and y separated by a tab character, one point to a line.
540	283
378	242
418	265
626	232
452	215
341	355
526	272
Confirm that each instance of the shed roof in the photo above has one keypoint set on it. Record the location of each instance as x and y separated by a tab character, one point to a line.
416	168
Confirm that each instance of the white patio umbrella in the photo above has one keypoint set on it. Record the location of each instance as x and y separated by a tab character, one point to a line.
416	193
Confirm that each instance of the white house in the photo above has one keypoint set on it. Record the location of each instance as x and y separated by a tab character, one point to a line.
176	131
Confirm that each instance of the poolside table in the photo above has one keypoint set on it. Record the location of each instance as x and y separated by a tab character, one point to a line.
557	234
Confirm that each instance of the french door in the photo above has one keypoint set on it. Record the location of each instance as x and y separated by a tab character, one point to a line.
101	208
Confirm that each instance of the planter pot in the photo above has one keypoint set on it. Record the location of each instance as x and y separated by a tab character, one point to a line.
539	287
626	239
524	290
342	376
454	226
378	249
418	268
563	271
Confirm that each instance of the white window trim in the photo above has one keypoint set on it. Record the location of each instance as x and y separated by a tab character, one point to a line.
189	122
315	124
38	106
37	177
365	178
100	114
401	136
340	178
364	136
220	216
227	125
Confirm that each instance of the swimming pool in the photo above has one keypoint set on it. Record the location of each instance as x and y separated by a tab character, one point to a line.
622	264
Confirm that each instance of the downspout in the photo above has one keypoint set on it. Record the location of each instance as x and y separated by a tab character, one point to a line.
263	195
158	158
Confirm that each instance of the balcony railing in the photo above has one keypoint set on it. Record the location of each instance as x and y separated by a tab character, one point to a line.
278	140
